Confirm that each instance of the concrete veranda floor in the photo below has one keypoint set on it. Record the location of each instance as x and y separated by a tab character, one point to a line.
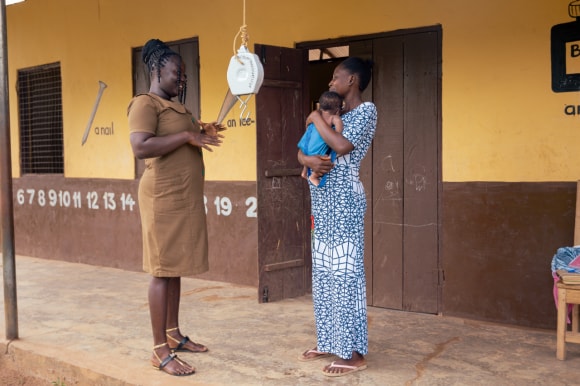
87	325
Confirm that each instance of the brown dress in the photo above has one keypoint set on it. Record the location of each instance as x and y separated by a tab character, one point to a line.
171	200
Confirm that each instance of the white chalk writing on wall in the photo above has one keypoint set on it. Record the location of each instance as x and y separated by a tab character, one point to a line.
220	205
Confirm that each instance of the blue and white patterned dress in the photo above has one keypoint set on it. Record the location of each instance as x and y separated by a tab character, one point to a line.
338	276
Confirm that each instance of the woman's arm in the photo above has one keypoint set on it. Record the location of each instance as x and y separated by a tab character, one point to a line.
335	140
318	164
147	145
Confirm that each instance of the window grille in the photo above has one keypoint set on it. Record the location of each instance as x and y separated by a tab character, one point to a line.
40	114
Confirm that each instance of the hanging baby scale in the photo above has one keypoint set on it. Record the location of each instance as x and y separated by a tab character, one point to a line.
245	74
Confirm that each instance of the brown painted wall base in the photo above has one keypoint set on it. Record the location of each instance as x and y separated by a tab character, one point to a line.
96	221
498	240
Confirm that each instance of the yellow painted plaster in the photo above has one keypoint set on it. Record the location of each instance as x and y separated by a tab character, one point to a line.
500	119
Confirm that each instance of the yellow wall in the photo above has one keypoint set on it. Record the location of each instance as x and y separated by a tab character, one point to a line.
501	121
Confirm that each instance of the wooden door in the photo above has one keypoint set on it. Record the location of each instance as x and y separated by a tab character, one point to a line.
284	261
401	173
406	172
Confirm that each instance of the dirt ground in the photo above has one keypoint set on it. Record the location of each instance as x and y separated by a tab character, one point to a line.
11	377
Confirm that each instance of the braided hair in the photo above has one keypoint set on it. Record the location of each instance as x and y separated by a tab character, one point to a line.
155	55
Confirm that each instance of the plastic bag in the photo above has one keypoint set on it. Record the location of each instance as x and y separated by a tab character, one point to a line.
567	258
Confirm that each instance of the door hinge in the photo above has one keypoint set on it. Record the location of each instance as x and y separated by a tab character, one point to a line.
440	276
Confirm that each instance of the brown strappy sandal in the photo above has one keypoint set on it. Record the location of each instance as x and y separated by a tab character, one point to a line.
181	344
169	358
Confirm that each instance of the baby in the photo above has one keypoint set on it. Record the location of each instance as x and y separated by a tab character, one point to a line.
311	143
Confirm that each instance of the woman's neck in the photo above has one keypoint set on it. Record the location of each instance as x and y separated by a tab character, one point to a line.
159	92
350	102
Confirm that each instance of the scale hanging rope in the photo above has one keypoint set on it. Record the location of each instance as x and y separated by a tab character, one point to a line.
245	74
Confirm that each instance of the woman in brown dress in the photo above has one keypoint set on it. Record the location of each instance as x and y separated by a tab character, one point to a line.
163	132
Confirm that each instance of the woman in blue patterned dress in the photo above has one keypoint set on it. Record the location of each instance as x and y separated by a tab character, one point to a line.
338	209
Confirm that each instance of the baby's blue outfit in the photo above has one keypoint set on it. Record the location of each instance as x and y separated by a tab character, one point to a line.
312	143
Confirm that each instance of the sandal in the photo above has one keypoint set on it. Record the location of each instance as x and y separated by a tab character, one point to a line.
344	369
181	344
305	356
165	362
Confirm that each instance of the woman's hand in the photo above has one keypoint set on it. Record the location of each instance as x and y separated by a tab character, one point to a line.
320	164
309	118
212	129
204	140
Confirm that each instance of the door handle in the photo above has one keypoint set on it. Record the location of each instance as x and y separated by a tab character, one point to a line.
283	172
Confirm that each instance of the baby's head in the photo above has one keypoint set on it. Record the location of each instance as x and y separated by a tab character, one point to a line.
330	102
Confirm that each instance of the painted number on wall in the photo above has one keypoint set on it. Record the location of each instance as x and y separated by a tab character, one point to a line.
222	206
66	199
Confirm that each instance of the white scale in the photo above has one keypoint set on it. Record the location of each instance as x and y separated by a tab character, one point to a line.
245	73
245	76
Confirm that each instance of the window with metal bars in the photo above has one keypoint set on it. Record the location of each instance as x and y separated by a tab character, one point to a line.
40	113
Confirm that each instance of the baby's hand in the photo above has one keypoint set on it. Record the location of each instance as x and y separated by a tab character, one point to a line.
336	121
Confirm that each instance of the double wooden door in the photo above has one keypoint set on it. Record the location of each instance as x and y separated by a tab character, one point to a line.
401	172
